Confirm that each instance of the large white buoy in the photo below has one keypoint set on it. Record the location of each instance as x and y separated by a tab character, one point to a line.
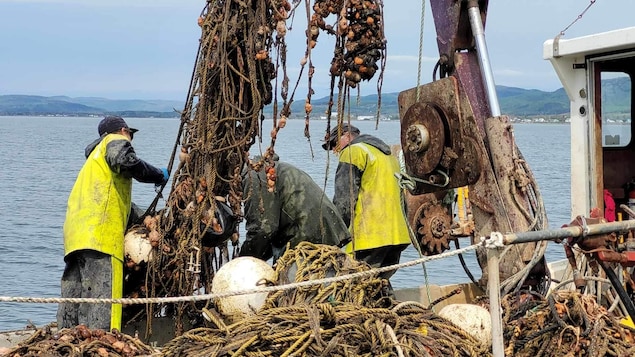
137	246
241	273
473	319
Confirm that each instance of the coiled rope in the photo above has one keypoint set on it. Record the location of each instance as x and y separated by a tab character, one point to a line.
331	329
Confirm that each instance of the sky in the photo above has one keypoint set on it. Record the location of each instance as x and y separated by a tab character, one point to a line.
145	49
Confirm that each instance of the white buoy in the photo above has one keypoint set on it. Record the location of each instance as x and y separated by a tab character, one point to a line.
241	273
137	246
473	319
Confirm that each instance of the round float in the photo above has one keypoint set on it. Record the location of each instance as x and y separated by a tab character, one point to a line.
243	273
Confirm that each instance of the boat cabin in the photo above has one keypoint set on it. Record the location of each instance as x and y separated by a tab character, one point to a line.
597	74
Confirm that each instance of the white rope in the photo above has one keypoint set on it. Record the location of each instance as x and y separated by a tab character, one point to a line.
495	240
267	289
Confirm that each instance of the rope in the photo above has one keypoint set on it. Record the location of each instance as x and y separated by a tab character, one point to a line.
420	63
566	323
415	243
331	329
194	298
411	234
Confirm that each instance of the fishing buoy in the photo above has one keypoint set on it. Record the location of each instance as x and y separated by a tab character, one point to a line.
241	273
473	319
137	246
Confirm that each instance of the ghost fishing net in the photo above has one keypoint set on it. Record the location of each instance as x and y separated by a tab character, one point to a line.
565	323
241	66
342	318
360	49
331	330
230	86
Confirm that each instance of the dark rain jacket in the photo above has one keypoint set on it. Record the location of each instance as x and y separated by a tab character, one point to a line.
297	211
368	196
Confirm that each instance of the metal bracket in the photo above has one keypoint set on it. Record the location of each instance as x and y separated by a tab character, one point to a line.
556	46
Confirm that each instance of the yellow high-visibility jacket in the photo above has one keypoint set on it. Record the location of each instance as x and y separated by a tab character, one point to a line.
99	203
368	194
98	206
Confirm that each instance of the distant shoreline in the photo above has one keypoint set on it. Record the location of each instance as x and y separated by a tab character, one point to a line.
514	120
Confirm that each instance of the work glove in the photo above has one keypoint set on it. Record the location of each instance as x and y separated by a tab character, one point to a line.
166	176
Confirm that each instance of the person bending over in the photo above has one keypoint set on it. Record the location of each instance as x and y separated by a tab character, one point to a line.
296	210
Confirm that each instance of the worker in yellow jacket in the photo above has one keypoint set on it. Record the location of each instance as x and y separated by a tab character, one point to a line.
368	197
96	218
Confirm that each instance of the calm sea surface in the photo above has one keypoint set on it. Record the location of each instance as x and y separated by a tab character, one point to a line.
40	159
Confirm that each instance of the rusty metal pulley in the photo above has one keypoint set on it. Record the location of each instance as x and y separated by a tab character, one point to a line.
423	140
442	147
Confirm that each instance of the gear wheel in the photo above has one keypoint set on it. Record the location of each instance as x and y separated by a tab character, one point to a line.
432	228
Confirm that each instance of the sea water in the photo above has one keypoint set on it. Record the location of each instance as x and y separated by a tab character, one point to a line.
41	156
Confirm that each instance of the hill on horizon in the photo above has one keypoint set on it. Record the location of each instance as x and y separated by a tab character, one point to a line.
513	101
34	105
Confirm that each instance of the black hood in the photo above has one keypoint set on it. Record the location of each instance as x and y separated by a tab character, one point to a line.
92	146
372	141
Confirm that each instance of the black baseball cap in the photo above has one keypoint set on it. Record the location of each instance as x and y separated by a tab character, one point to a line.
113	123
333	137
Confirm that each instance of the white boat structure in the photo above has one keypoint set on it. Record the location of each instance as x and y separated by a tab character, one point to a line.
453	135
333	116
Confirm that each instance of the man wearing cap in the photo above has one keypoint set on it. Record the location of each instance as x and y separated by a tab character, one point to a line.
96	217
368	197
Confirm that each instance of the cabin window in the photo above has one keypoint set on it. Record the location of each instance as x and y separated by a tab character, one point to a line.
616	109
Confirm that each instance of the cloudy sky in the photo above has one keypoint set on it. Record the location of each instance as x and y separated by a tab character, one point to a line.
145	49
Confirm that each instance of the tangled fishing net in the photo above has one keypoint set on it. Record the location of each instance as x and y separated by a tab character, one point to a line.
342	318
567	323
80	341
241	66
310	261
348	317
331	329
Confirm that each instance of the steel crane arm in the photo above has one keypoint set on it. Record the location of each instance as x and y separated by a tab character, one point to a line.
448	131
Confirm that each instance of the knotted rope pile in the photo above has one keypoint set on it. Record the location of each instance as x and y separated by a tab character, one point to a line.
331	329
347	318
309	261
567	323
